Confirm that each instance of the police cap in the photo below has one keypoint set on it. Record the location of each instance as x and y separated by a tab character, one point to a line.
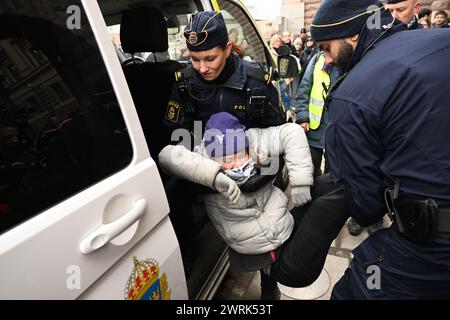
205	31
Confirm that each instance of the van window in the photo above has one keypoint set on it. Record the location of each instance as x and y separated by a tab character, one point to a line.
176	41
61	128
243	32
240	30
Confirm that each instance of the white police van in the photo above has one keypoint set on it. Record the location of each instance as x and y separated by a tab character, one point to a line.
83	212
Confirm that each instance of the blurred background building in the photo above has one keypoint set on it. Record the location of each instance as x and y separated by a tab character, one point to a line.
292	15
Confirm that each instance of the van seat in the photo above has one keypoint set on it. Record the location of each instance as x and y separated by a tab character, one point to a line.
144	30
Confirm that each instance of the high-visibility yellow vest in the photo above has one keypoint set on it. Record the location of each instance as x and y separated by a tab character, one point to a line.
316	99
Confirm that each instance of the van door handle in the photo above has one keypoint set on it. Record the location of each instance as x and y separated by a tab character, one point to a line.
107	232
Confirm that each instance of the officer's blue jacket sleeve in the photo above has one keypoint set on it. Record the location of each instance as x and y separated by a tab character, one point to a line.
304	93
354	149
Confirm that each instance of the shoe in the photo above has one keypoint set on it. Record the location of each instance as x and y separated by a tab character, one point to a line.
269	287
376	226
353	227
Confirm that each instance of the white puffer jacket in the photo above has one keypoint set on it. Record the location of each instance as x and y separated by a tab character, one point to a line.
260	221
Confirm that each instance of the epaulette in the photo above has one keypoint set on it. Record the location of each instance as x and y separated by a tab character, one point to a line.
255	72
184	73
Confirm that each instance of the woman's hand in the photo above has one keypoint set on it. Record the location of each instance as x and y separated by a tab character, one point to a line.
305	126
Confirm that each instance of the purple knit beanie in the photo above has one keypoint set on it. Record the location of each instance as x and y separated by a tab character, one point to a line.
224	135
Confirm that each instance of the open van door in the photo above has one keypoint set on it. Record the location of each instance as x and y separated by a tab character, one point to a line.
80	195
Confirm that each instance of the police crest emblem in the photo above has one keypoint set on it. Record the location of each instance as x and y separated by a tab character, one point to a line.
145	282
173	111
193	38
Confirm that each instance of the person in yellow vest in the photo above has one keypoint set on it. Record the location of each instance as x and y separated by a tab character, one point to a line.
309	105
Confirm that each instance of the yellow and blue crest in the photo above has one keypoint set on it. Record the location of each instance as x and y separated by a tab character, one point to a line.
145	282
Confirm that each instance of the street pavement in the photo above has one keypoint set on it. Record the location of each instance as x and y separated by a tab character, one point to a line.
245	286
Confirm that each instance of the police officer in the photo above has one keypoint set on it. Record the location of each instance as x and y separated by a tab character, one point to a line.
388	144
405	11
218	80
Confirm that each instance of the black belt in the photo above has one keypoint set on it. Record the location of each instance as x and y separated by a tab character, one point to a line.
442	220
418	220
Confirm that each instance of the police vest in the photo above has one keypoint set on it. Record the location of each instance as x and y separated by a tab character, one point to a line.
316	100
248	105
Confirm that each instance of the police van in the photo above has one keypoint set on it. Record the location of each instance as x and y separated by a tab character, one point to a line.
83	211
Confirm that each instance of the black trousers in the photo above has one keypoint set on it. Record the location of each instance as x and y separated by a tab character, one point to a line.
316	155
303	256
181	195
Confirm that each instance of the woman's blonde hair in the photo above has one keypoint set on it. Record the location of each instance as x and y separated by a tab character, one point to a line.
275	37
298	41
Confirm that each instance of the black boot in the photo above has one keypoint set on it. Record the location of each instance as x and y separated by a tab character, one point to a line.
376	226
269	286
353	227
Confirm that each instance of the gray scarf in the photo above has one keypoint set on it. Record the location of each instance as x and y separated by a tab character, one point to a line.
241	174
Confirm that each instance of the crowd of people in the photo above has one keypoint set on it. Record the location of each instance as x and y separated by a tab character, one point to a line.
304	48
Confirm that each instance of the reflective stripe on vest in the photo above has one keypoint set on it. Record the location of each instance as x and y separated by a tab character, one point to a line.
316	101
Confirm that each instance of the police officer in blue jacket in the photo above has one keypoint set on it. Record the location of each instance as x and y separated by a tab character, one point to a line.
405	11
218	80
388	144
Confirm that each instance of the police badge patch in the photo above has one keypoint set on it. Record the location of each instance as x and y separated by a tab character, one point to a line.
173	111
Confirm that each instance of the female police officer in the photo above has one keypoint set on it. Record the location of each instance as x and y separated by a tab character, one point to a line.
218	80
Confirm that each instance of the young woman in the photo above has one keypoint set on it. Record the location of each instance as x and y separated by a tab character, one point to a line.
248	211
